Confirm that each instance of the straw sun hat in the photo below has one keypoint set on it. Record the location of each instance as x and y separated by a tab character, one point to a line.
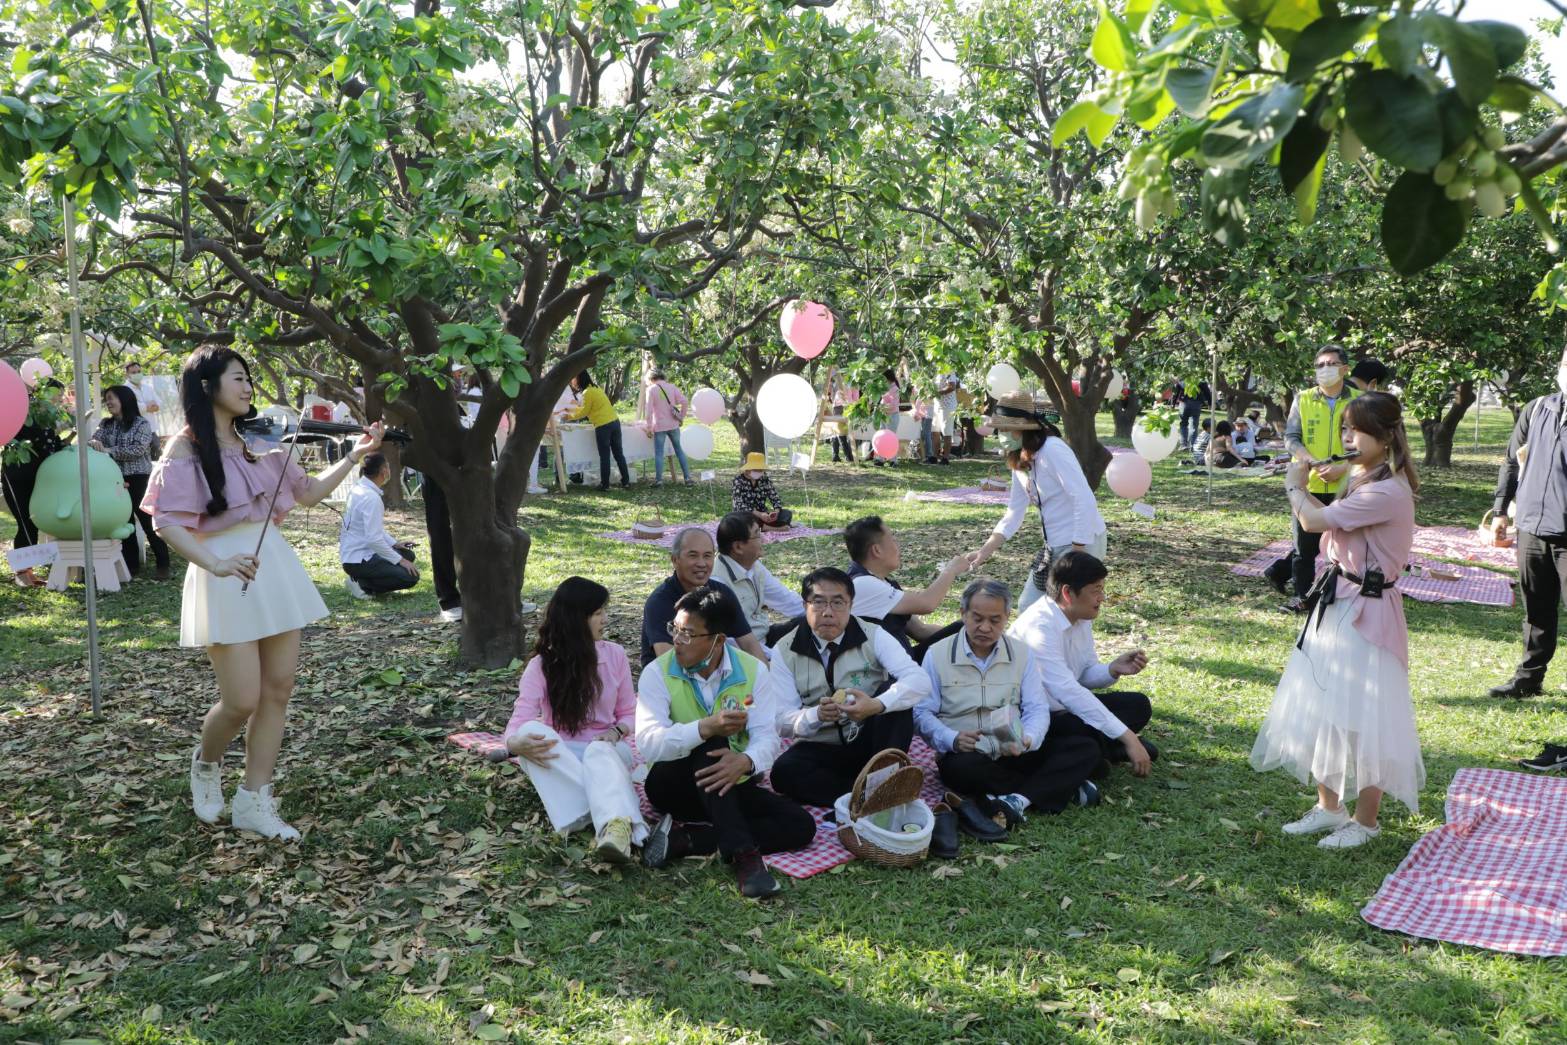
754	462
1017	412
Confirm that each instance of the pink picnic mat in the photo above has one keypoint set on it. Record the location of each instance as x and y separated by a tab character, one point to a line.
1495	875
823	854
1455	542
668	540
964	495
1474	584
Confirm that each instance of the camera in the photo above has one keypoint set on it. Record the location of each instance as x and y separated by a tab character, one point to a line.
1372	584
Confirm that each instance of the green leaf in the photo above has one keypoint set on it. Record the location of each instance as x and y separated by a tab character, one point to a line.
106	197
510	386
1400	39
1512	94
1112	46
1190	87
1508	42
1322	41
1396	117
1307	190
1304	147
1542	217
1224	203
1459	121
1420	225
1246	133
1469	54
1076	118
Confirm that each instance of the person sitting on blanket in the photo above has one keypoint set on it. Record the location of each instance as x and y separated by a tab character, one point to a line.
740	567
846	690
1245	440
1221	449
1058	631
705	723
876	554
574	713
989	722
753	492
692	555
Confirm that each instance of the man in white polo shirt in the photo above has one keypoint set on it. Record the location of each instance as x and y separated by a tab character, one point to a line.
878	598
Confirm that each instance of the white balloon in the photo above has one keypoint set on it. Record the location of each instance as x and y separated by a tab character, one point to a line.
1151	445
697	442
787	405
1001	379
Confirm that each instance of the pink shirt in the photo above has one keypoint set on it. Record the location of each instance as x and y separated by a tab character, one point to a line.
665	414
177	493
1375	527
616	704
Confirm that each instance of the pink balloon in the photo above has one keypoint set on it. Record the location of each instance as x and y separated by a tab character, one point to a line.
1077	387
13	403
984	430
851	395
1129	476
35	370
708	405
885	443
806	328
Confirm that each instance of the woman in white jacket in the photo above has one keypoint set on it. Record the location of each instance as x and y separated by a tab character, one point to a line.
1045	473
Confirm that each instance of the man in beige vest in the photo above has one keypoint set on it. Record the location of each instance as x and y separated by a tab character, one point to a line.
740	566
988	719
845	690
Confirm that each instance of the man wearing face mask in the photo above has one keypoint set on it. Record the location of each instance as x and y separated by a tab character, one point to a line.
146	399
1533	478
1312	434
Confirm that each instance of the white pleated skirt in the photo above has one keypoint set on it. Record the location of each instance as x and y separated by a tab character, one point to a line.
1342	715
282	598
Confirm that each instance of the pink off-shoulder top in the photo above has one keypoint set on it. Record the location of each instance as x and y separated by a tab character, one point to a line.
177	493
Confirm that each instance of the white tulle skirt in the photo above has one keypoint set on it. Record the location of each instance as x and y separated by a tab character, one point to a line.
281	598
1342	715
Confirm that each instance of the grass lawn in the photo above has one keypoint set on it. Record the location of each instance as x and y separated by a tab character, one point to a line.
429	902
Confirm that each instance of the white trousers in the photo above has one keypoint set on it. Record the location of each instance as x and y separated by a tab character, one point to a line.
585	783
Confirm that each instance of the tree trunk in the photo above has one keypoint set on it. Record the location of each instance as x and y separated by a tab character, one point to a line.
1125	412
1077	427
1439	431
375	410
492	556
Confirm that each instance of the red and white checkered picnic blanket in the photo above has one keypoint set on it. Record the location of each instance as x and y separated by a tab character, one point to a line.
1494	876
668	540
825	851
1474	584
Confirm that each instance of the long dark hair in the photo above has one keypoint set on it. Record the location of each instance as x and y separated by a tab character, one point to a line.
198	380
567	654
1379	415
130	409
1021	459
583	381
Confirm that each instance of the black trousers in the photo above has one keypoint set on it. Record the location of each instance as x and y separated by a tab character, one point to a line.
1542	575
817	774
17	485
443	566
377	576
1301	563
842	443
130	550
748	817
1133	709
1048	778
608	439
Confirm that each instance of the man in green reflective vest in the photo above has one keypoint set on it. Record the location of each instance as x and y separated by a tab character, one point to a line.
1314	433
706	726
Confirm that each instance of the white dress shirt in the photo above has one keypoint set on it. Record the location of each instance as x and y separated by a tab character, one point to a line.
772	595
874	598
363	533
908	688
1068	664
1033	704
1056	483
660	739
1245	444
146	398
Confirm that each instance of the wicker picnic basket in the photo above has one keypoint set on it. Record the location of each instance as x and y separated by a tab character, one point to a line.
650	529
888	784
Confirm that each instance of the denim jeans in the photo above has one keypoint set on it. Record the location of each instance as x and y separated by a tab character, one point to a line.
608	438
673	435
926	442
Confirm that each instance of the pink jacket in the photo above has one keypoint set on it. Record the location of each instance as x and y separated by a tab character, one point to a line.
1375	526
664	406
616	705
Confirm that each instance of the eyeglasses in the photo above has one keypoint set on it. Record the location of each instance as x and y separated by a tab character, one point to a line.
683	636
821	603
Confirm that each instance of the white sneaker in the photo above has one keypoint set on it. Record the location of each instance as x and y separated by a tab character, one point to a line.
536	489
256	811
1349	836
529	607
354	589
206	788
1318	819
452	615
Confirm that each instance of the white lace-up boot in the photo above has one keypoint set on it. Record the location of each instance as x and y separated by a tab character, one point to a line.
256	811
206	788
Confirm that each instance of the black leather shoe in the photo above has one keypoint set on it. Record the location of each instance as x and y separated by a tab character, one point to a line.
756	882
1280	581
1517	689
1148	746
974	823
944	836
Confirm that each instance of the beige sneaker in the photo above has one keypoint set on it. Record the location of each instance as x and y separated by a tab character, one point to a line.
614	842
1318	819
256	811
206	788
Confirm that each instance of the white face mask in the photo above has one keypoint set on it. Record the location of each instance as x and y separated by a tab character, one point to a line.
1327	376
134	379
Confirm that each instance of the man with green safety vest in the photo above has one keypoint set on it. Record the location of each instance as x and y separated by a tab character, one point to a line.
1314	433
705	725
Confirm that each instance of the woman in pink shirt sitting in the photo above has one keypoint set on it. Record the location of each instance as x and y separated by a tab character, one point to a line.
575	709
208	497
1342	714
665	407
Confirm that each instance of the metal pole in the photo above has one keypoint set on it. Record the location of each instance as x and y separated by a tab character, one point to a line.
1213	416
83	393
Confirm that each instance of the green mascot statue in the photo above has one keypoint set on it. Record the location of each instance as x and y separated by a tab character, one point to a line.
56	506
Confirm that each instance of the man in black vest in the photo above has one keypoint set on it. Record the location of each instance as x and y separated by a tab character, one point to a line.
1533	477
876	554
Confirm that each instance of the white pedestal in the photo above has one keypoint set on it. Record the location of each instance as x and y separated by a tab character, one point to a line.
109	568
